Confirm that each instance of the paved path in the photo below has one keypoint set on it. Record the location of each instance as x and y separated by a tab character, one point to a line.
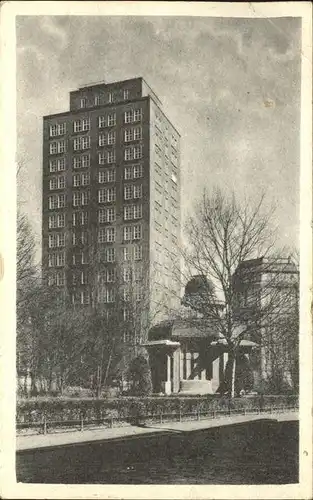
90	435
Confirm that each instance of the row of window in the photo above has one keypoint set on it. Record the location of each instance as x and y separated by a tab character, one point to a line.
130	233
111	97
129	253
105	235
105	195
104	215
82	179
83	124
130	134
82	143
83	161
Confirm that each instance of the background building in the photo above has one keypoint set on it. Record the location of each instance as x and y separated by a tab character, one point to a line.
267	299
111	198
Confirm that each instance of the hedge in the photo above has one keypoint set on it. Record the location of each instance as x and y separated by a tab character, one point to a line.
60	409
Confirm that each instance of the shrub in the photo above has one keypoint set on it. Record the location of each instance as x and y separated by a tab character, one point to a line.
140	376
33	410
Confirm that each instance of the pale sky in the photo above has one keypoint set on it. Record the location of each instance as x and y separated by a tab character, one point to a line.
230	86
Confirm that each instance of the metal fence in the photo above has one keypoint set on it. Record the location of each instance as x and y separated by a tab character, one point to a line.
82	423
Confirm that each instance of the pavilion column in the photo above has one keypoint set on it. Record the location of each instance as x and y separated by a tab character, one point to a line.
181	360
195	366
168	368
168	382
188	365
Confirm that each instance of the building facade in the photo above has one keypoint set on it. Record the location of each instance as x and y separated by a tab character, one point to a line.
266	297
111	198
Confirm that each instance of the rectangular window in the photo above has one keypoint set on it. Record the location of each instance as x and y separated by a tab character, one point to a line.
102	140
60	259
102	158
84	237
56	201
83	278
137	115
85	258
138	294
82	125
57	165
60	278
137	211
137	232
126	94
84	218
109	295
137	171
57	129
106	215
56	240
81	143
128	135
110	275
76	199
138	191
106	235
128	173
97	100
127	275
137	133
57	147
137	152
52	221
111	138
138	275
61	220
128	192
74	239
107	176
85	197
137	252
76	180
128	212
101	121
109	254
128	154
128	116
110	234
111	157
106	195
126	254
127	233
111	97
111	120
127	317
83	102
84	297
85	179
81	161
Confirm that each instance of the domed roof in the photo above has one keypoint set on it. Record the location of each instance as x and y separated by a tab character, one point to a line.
199	284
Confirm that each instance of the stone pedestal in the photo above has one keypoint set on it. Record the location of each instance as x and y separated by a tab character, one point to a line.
167	387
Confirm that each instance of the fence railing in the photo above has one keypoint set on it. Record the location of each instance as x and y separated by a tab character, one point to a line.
110	422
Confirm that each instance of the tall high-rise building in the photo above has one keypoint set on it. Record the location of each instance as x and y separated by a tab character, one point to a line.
111	194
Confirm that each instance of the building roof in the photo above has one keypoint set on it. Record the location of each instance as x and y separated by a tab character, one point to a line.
184	328
268	265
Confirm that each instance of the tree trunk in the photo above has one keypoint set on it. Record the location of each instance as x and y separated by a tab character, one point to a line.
233	376
107	369
99	376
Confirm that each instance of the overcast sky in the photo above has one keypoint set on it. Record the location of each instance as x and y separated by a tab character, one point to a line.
230	86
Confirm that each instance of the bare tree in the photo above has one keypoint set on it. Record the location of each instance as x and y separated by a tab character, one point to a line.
222	234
